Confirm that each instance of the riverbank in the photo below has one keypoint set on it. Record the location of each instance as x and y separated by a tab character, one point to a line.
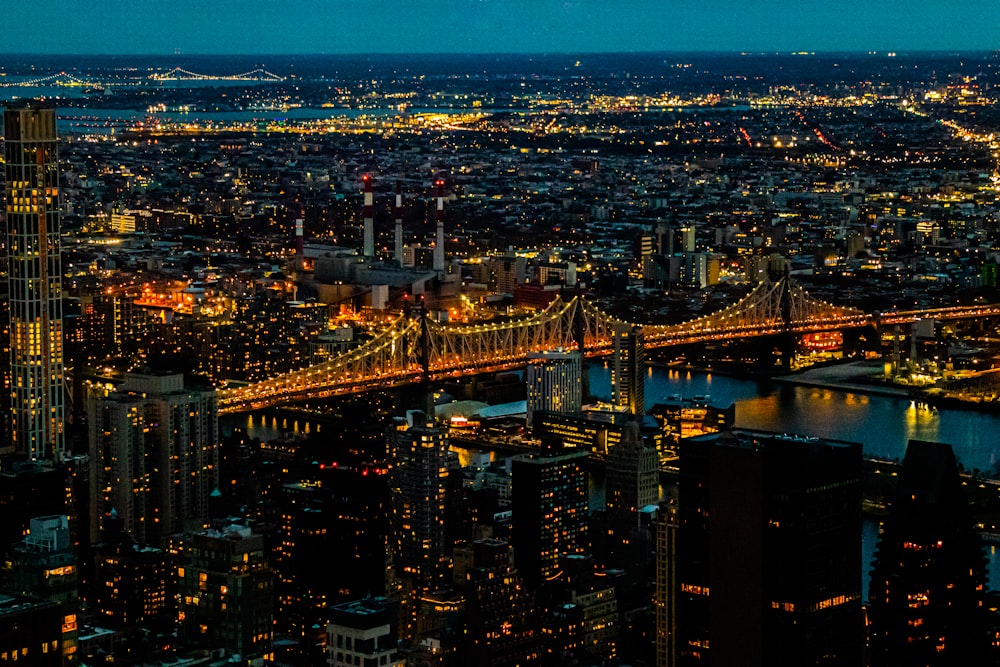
863	377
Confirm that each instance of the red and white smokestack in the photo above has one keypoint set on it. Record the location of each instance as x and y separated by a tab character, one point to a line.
439	240
369	231
398	238
299	234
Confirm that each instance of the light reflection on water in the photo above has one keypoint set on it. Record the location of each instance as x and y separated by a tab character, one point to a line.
266	426
882	424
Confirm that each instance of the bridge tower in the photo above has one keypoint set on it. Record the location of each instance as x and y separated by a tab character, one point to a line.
787	338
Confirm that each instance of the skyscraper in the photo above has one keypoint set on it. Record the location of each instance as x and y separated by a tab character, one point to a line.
628	370
555	382
633	479
154	451
767	569
549	506
928	579
35	282
665	597
418	474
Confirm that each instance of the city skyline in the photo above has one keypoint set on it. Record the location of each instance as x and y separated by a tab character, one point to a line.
267	27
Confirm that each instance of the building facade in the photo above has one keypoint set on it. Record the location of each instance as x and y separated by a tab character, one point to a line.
549	492
628	369
767	568
363	632
154	451
418	476
38	400
226	593
555	382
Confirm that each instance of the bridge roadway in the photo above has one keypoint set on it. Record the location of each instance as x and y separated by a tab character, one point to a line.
411	350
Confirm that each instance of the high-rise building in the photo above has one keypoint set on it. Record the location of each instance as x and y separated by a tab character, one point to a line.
500	628
38	400
628	369
549	504
632	483
767	569
581	619
555	382
418	475
154	452
665	595
368	242
226	593
927	588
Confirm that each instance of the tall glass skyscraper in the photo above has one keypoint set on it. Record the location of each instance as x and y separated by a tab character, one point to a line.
37	390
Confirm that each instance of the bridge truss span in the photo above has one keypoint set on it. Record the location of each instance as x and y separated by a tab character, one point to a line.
390	358
457	347
412	348
770	308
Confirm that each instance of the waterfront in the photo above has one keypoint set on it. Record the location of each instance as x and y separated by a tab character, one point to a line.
882	424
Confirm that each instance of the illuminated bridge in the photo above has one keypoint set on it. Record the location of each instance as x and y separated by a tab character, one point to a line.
59	79
180	74
415	348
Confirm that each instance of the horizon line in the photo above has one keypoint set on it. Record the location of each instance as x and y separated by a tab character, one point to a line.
733	52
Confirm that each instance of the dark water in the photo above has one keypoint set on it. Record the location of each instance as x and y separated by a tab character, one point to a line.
882	424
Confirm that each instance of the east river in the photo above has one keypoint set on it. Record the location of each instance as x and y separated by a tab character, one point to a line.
882	424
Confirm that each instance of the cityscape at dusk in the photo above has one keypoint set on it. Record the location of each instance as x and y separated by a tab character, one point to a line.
500	333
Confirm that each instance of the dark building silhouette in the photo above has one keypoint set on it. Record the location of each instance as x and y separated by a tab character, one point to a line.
44	565
333	527
28	489
31	629
549	503
927	587
500	624
580	612
632	483
767	569
133	586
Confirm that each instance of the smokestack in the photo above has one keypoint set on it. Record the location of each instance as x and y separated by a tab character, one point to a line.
398	248
439	241
369	239
298	235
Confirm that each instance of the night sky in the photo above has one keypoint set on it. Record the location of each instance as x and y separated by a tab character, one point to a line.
489	26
